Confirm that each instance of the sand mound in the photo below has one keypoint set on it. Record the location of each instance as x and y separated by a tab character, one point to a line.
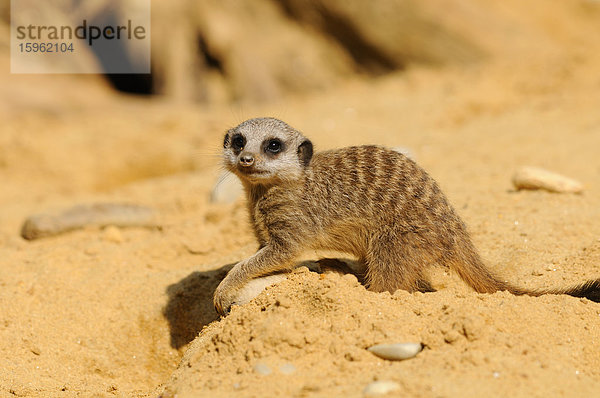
474	344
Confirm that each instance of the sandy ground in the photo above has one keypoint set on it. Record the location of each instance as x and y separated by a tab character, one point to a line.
104	312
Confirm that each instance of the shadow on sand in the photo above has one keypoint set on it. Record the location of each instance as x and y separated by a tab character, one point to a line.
190	304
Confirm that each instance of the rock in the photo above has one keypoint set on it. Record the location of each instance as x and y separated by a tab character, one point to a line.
396	352
227	189
404	151
383	36
98	215
262	368
536	178
287	368
256	286
380	387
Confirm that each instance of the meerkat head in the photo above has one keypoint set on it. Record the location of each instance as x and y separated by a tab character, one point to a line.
266	151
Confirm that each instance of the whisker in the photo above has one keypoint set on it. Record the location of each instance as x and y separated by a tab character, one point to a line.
237	113
225	175
282	113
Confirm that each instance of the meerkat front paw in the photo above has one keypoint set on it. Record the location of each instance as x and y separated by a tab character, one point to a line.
224	297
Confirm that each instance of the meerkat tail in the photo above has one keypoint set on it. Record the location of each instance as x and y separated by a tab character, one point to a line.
472	270
589	290
469	266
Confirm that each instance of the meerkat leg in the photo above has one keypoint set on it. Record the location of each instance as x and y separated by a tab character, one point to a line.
267	260
392	266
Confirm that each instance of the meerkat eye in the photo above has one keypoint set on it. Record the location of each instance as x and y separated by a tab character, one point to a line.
237	142
274	146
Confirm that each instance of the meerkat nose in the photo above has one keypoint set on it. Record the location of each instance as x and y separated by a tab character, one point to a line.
246	160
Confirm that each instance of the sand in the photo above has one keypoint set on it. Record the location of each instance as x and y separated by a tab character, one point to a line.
127	312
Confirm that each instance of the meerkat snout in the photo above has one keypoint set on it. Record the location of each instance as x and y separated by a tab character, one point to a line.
246	160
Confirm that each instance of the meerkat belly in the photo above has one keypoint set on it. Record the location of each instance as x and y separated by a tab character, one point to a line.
348	236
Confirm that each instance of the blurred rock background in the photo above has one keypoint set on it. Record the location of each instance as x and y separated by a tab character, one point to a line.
215	51
224	57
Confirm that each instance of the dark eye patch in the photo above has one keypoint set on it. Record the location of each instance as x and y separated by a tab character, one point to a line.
273	146
238	142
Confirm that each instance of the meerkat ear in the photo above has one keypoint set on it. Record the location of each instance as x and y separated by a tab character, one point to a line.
305	152
226	140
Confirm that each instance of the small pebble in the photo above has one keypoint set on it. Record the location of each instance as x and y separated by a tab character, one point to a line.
405	151
537	273
91	250
396	352
227	189
262	369
536	178
113	234
380	387
287	368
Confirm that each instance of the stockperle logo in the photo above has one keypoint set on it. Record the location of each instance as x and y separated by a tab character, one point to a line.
51	37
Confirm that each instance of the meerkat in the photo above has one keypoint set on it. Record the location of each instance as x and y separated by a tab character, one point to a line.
373	203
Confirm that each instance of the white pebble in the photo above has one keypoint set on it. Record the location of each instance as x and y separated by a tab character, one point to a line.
405	151
262	369
227	189
536	178
287	368
396	352
380	387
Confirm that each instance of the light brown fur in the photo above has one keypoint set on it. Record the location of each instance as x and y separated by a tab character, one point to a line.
371	202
